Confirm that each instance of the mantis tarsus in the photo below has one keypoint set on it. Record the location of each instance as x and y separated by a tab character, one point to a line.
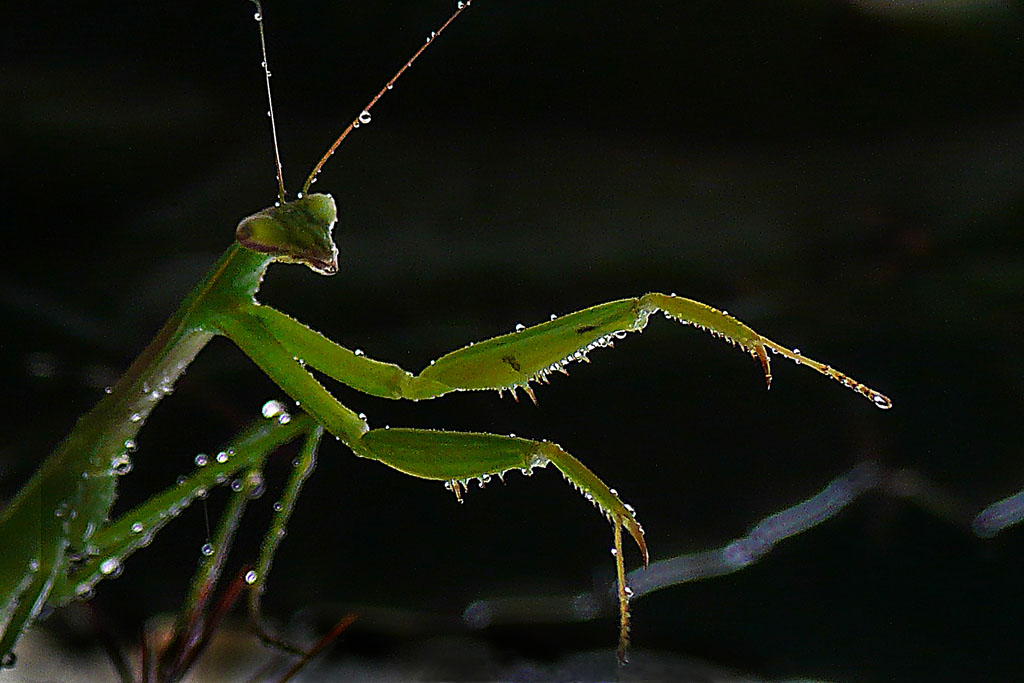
57	537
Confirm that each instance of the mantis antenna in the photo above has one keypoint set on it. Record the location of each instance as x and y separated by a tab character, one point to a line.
364	116
270	102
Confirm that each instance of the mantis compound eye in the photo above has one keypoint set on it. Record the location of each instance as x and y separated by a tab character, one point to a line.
295	232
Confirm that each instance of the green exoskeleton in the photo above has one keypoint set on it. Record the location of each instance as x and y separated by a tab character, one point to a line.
57	538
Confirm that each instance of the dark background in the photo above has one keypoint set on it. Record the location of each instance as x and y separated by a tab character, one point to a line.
846	180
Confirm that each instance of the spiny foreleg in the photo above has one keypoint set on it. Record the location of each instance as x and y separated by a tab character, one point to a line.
530	354
459	457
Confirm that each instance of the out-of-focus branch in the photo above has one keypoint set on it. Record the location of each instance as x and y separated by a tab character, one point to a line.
742	552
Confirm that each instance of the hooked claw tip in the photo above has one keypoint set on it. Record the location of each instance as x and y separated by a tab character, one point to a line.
637	533
766	364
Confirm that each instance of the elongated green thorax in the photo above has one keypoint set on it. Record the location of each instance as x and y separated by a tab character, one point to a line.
295	232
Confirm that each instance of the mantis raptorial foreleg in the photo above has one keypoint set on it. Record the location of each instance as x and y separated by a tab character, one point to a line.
455	457
529	354
285	348
429	454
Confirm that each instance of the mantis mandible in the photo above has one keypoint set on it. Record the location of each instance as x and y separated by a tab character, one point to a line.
58	540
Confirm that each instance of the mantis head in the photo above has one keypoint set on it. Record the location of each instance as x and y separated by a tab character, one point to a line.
295	232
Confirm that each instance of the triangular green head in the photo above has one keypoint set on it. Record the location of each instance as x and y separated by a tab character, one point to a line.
295	232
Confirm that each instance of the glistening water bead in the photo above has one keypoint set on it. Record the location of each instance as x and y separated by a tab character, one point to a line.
272	408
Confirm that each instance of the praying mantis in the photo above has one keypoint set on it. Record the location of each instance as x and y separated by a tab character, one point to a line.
58	541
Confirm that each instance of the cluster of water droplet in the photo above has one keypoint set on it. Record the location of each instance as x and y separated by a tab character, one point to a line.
143	532
756	349
111	567
459	486
540	460
151	395
537	461
580	355
588	495
880	400
275	409
121	463
713	332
